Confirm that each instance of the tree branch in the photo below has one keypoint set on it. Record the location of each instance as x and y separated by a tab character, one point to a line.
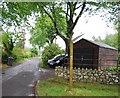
71	11
84	4
78	7
47	12
74	6
67	13
54	22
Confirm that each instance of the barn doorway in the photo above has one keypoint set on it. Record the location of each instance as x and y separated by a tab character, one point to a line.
83	57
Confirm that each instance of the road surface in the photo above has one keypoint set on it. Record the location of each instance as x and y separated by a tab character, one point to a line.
20	80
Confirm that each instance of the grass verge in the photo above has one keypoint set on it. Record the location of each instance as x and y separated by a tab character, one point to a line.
5	66
60	87
21	61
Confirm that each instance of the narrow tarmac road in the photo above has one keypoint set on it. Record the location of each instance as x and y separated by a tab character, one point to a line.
20	80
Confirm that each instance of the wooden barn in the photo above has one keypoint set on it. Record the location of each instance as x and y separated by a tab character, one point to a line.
91	54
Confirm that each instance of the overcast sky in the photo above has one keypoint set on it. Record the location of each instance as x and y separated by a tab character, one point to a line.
94	27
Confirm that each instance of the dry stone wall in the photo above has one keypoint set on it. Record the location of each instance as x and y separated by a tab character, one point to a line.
89	75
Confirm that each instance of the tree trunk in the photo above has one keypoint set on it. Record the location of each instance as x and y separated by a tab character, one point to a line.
66	46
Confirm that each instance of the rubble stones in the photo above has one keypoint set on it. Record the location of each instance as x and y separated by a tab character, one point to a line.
88	75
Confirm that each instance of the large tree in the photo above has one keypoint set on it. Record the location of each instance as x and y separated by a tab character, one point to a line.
44	31
9	41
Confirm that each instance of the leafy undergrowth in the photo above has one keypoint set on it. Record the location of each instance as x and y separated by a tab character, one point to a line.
60	87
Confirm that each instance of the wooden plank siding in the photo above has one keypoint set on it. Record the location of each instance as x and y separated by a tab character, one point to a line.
88	54
88	51
107	57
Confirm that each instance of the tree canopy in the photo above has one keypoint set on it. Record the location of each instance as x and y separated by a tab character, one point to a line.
110	39
9	41
44	31
16	13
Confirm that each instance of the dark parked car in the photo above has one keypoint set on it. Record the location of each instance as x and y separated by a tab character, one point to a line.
58	60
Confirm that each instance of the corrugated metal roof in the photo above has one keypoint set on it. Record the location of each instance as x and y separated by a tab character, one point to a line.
100	44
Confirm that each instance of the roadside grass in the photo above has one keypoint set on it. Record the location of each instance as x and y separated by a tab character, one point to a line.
5	66
60	87
21	61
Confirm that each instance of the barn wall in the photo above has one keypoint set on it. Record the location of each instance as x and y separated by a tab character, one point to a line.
107	57
88	45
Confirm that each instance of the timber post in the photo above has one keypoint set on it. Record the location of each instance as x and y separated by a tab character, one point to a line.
71	64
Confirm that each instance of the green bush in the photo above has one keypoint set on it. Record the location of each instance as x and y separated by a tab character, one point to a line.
34	51
4	58
20	54
49	52
112	68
